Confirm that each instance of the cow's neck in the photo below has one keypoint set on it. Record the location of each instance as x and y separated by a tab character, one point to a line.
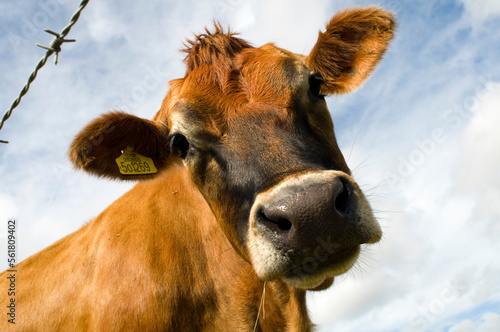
277	308
220	284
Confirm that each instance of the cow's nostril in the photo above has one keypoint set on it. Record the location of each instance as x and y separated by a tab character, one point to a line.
284	224
274	222
342	200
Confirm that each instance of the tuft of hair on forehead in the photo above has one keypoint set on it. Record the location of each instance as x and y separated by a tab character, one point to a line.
216	48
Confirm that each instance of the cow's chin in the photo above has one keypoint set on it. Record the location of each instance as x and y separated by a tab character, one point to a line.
314	274
323	279
315	283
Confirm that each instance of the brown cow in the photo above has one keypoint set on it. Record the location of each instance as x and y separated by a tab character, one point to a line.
252	203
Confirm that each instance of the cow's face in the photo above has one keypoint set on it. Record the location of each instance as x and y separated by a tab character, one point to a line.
252	128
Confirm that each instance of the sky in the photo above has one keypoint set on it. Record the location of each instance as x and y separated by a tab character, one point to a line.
421	136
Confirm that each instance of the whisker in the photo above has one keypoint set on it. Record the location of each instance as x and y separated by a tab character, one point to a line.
352	145
368	189
361	165
261	305
389	211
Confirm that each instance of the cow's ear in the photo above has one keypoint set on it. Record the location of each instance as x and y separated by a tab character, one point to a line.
353	43
139	145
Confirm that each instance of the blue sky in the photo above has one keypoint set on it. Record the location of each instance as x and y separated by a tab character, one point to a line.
421	136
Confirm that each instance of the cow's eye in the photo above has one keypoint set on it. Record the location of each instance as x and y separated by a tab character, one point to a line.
179	145
315	83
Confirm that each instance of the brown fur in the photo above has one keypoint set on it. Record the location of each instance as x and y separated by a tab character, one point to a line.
167	255
95	148
351	46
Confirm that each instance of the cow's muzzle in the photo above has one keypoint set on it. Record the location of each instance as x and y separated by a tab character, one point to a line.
309	227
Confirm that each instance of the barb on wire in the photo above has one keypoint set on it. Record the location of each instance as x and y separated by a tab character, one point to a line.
55	44
55	47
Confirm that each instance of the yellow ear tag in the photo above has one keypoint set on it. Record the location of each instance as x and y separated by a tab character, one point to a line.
132	163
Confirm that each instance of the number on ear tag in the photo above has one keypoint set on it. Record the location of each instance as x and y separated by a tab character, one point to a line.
132	163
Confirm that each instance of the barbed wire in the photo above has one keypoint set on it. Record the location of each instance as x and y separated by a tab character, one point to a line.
55	47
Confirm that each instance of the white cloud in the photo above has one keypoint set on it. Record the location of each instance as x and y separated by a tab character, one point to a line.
479	170
490	322
293	25
478	12
440	224
435	261
103	23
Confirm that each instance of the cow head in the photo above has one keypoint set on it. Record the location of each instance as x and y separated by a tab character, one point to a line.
252	128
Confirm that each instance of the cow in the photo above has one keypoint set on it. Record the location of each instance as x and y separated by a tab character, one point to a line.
243	202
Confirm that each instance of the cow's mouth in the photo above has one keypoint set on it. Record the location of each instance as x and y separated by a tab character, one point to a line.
317	273
308	229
